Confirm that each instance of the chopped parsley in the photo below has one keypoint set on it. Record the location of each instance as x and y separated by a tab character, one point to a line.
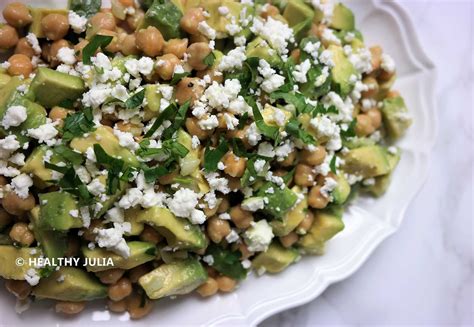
97	41
227	262
213	156
78	124
135	100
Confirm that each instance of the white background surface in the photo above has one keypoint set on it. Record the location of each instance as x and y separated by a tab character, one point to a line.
424	274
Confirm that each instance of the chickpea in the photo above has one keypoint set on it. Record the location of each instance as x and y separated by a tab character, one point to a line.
296	54
55	26
110	276
133	128
117	306
233	182
134	20
392	94
24	47
223	205
385	75
315	157
316	199
103	21
89	234
304	175
17	206
127	3
58	114
226	284
375	116
196	54
17	14
114	46
209	212
189	88
240	217
376	57
364	125
79	47
191	19
289	240
129	44
209	287
317	30
135	306
5	218
244	250
20	288
54	49
306	223
270	11
372	85
137	272
193	128
3	180
150	41
176	46
21	234
234	166
217	229
165	66
69	308
8	37
149	234
120	290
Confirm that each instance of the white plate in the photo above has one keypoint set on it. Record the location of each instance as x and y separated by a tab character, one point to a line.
368	221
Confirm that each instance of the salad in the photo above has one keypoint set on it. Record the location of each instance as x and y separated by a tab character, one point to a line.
159	148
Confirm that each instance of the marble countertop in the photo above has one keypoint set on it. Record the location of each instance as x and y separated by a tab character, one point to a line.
424	274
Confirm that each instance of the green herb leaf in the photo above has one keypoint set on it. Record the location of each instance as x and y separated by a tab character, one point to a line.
69	155
71	183
227	262
153	173
166	114
78	124
212	157
97	41
177	121
272	132
243	120
209	59
350	131
294	128
115	166
135	100
178	77
86	8
332	164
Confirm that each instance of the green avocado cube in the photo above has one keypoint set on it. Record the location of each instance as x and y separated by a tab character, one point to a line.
55	212
395	117
342	71
50	88
70	284
9	254
275	259
175	278
342	18
53	243
324	227
278	202
140	252
342	190
179	232
367	161
165	16
292	218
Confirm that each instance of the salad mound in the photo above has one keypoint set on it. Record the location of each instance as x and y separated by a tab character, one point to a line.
157	148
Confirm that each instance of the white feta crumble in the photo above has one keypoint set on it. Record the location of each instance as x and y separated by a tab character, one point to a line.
195	142
233	59
32	277
78	23
259	236
207	30
271	80
96	187
275	32
299	74
329	185
33	41
112	238
388	64
21	185
232	237
145	65
66	55
74	213
253	204
126	140
183	202
44	133
14	116
209	259
131	198
209	123
259	164
8	145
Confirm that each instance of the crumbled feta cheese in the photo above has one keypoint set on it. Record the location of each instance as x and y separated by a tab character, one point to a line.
232	60
21	184
78	23
44	133
8	145
275	32
120	92
329	185
183	202
131	198
66	55
209	259
253	134
126	140
209	123
217	183
145	65
207	30
112	238
299	74
265	149
74	213
14	116
258	236
253	204
32	277
96	187
232	236
387	64
195	142
259	165
33	41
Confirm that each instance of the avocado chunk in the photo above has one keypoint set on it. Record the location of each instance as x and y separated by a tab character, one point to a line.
153	101
261	49
189	163
279	202
70	284
299	17
140	252
34	165
55	212
165	16
382	182
176	278
342	18
109	142
4	79
130	216
292	218
65	86
179	233
342	71
324	227
342	190
219	22
38	14
53	243
275	259
395	117
8	256
367	161
9	93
